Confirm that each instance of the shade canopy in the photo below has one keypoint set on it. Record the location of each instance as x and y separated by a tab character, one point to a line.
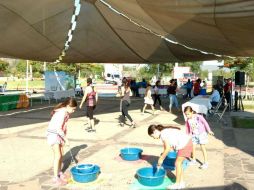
146	31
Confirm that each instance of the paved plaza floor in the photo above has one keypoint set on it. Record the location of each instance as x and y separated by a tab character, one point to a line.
26	158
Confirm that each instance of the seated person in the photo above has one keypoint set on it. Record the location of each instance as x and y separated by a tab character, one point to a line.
215	96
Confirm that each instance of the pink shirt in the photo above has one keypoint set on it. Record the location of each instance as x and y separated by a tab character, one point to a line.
197	125
57	124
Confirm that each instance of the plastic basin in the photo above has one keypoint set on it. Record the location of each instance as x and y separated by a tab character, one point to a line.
85	168
131	154
169	161
85	177
149	177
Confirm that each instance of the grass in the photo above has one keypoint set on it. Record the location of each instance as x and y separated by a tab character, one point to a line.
246	123
21	84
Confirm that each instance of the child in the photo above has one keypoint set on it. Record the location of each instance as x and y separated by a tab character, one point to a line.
56	136
91	99
198	127
173	139
148	99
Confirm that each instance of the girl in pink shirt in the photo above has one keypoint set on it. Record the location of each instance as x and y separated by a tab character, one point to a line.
198	127
56	136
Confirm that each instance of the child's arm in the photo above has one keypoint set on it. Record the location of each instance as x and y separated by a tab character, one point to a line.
167	149
206	125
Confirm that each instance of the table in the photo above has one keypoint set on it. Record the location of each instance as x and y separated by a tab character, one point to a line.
200	104
162	91
13	101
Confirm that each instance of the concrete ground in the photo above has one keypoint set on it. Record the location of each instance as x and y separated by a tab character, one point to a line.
26	159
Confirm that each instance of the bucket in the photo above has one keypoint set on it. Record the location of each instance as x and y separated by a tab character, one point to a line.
169	161
131	154
85	168
85	177
148	177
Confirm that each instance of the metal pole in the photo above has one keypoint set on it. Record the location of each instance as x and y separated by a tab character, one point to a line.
27	70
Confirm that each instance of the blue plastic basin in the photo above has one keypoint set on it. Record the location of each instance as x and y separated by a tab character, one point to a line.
131	154
169	161
85	168
149	177
85	177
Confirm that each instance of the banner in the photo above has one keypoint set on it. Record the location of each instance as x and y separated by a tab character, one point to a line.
58	81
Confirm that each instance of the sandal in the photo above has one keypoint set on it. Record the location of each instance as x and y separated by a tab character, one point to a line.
63	177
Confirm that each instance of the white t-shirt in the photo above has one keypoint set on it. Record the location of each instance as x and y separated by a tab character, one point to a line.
176	139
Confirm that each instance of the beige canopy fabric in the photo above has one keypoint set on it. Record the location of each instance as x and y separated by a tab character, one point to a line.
38	30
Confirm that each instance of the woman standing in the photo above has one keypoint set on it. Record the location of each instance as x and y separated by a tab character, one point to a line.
172	95
91	99
125	103
157	95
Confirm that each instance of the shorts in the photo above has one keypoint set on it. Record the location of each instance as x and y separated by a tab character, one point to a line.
186	151
53	139
89	111
200	138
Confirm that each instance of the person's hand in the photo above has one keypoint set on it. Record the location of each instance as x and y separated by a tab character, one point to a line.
210	133
80	106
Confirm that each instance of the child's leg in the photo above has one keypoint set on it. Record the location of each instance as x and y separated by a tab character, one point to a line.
144	108
179	169
194	152
57	159
204	152
152	108
92	123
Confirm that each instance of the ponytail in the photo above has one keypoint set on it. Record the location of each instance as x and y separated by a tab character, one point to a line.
152	128
69	102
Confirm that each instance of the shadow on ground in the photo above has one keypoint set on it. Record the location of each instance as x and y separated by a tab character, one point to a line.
70	156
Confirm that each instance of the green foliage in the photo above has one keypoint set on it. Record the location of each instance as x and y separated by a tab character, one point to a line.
149	70
4	66
204	74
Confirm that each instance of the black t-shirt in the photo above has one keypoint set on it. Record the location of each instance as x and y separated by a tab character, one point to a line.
171	90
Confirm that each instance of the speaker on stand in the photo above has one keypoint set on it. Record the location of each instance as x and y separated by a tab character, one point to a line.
239	80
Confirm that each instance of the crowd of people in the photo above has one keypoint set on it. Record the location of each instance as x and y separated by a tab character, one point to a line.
182	140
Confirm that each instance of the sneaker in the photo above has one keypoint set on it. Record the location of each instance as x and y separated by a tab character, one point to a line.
182	185
204	166
121	125
192	162
133	125
57	181
174	186
63	177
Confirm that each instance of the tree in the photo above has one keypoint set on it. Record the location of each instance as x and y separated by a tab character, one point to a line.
4	67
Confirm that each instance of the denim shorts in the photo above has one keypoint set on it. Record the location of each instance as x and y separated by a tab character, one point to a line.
200	138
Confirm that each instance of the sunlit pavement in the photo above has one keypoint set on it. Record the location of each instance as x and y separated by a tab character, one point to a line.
26	159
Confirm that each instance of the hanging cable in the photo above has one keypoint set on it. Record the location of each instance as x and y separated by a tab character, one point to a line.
160	35
77	6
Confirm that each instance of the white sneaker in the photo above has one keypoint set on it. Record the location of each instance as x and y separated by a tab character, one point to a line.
192	162
204	166
174	186
182	185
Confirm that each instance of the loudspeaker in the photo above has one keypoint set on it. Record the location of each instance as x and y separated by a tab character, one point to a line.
239	78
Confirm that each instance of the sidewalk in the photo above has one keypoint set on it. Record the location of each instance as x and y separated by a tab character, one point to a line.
26	159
